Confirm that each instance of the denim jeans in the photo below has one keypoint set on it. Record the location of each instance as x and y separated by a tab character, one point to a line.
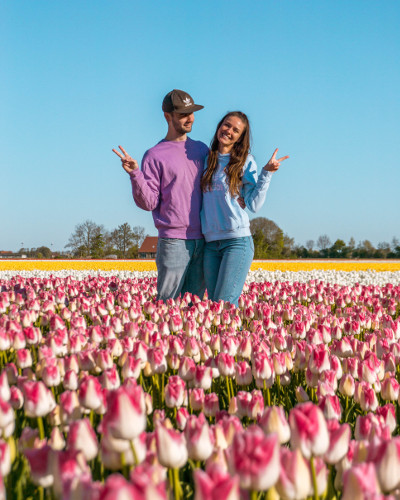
180	268
226	264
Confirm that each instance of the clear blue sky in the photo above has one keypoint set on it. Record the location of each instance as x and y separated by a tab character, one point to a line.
319	79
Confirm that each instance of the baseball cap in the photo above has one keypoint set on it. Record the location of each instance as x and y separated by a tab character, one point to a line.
179	101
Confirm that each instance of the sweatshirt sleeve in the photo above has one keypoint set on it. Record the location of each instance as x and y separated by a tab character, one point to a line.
146	184
254	188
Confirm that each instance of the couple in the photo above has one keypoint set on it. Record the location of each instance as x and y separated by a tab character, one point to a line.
197	196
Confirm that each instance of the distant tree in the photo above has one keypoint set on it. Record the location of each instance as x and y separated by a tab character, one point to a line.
310	245
268	237
122	237
97	247
45	252
127	239
323	242
84	237
338	249
288	246
138	235
352	243
382	251
364	250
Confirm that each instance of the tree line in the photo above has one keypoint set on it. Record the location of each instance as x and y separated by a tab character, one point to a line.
91	240
270	242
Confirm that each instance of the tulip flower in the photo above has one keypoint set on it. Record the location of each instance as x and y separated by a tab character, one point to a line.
199	438
82	437
215	484
126	415
360	481
171	447
40	464
175	392
254	458
274	420
309	430
294	478
38	399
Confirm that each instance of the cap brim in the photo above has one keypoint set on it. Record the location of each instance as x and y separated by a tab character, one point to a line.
189	109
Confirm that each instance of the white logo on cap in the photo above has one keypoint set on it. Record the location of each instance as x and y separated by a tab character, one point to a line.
187	101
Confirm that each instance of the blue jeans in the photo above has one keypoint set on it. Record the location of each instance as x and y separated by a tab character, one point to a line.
180	268
226	264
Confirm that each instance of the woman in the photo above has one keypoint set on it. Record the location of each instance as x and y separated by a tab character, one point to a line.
231	172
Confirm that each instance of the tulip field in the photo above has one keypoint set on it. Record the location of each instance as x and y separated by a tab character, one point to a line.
107	393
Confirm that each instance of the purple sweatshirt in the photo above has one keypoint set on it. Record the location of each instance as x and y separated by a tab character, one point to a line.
169	185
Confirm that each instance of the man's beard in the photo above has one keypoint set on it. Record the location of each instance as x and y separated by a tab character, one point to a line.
179	129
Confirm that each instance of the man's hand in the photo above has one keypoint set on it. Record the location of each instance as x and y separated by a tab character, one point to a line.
241	202
128	163
274	164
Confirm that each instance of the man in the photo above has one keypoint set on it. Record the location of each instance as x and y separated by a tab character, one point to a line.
169	185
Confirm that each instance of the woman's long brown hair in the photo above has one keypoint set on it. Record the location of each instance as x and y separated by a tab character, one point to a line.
238	156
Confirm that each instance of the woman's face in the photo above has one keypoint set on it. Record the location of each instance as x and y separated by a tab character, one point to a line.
230	132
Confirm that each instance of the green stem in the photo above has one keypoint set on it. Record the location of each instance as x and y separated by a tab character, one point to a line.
135	457
314	478
41	427
177	485
229	390
253	495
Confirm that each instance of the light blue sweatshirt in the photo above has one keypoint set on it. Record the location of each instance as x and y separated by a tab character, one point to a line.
221	215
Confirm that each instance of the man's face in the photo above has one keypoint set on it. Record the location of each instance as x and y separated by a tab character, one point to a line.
181	122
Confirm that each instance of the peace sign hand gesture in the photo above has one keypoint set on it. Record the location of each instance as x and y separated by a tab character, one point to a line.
128	163
274	164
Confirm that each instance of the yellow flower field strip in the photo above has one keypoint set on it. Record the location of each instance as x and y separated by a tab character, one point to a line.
150	265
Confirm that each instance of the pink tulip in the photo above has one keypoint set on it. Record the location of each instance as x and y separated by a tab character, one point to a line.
117	487
171	447
203	377
187	369
215	484
309	430
196	399
82	437
386	458
90	393
274	421
211	404
40	464
70	381
359	482
339	441
182	415
199	438
16	398
390	389
175	392
70	409
388	413
5	459
5	392
68	468
295	478
347	385
243	373
126	412
38	399
150	481
330	407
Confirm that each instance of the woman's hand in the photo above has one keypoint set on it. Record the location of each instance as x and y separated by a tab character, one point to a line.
274	164
128	163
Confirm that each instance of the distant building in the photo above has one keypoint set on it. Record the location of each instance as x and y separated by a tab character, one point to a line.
148	248
6	254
